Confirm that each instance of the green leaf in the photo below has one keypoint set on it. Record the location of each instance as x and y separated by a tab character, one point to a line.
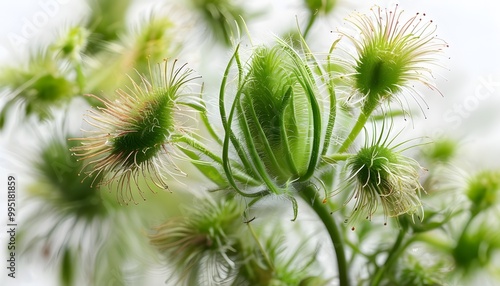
207	169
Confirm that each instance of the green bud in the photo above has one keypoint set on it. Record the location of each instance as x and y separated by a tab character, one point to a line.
483	190
153	40
268	260
222	17
420	271
442	150
73	43
40	86
324	6
475	247
276	110
60	184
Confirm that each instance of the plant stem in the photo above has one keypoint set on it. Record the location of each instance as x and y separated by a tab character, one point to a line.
310	23
310	194
332	159
391	258
360	123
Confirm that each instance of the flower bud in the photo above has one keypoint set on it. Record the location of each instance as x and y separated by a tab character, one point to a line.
73	43
40	86
476	247
276	110
483	190
324	6
442	150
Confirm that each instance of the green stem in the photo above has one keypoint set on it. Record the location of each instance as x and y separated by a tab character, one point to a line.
310	194
80	77
334	158
310	23
261	248
431	240
391	258
360	123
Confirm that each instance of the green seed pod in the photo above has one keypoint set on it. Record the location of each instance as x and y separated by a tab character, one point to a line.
151	40
384	174
276	111
59	183
84	229
442	150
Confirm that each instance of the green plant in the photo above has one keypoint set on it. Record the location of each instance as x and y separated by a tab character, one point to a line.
225	174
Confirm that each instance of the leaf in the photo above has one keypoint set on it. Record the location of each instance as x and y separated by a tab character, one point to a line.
207	169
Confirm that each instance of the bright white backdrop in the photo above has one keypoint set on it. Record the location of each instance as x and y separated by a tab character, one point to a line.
469	110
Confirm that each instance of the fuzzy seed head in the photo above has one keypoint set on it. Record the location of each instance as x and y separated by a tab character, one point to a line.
134	132
391	53
60	185
383	176
209	230
73	43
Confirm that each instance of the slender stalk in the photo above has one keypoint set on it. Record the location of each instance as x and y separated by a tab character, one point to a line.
310	196
310	23
261	248
334	158
360	123
391	258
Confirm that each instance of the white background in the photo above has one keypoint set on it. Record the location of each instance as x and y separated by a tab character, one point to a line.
469	109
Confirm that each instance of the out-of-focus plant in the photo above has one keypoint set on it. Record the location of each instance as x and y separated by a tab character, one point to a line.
282	152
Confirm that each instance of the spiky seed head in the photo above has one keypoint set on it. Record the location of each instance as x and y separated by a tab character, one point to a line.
383	176
134	132
392	53
205	238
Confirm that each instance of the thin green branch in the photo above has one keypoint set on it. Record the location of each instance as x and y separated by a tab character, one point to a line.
309	194
394	254
360	123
